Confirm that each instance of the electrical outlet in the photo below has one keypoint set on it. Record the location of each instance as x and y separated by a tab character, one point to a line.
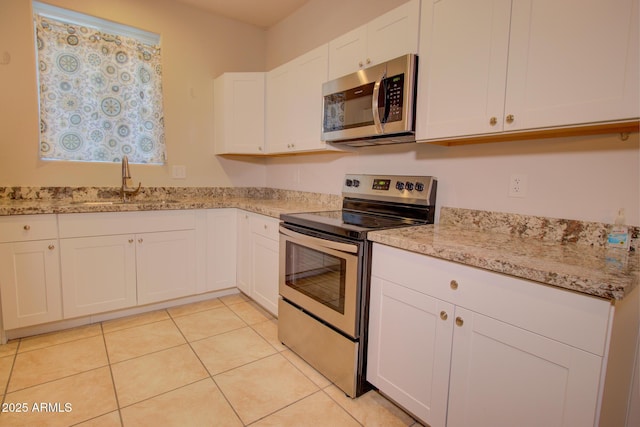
179	172
518	185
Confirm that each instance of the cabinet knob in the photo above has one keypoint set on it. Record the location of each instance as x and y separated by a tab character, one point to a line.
453	285
130	240
459	321
510	118
27	227
259	148
51	247
360	64
368	61
140	240
444	315
493	121
265	226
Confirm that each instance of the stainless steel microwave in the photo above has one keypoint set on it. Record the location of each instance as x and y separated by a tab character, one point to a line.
373	106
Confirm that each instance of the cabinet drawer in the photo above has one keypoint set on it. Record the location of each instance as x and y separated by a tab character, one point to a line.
22	228
576	319
265	226
111	223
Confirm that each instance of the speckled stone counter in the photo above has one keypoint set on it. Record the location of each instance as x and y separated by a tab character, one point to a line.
566	254
265	201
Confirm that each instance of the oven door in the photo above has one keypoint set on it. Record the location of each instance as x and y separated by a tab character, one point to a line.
321	277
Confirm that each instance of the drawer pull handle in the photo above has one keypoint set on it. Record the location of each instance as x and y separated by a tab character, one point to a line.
27	227
51	247
459	321
454	285
444	315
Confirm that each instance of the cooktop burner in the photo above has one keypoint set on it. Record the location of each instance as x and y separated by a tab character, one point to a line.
373	202
345	223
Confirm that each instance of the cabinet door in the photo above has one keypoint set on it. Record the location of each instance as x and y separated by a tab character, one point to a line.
572	62
505	376
310	72
265	264
463	67
390	35
30	283
393	34
280	111
221	248
239	113
166	265
409	349
244	257
98	274
347	53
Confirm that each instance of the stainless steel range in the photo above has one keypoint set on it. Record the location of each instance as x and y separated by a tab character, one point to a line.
325	270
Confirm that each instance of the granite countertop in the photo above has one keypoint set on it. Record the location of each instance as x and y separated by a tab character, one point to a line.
567	254
267	202
572	263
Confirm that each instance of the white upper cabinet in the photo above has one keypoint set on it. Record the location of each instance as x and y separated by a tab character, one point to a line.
497	66
294	103
572	62
239	102
386	37
463	67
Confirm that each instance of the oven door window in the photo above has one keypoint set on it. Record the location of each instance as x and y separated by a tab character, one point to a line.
318	275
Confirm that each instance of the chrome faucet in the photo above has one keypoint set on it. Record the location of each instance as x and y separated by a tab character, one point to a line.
125	190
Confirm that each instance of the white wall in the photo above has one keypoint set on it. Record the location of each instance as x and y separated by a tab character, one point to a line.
586	178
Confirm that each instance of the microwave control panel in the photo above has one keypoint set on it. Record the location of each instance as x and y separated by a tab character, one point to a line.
394	87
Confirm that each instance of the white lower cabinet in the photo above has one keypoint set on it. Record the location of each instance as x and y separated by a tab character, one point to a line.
165	265
460	346
502	375
112	261
29	271
221	258
243	252
98	274
258	258
30	283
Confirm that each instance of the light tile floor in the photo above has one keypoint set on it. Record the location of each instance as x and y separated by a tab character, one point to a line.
212	363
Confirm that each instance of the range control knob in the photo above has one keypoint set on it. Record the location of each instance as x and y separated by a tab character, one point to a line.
349	183
399	185
419	186
409	185
356	183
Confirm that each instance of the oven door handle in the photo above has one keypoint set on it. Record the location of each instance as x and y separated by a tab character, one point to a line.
303	238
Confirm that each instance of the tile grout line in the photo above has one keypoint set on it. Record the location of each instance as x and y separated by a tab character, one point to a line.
13	364
113	381
207	369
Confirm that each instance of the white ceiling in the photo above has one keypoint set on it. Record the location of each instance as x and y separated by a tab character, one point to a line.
262	13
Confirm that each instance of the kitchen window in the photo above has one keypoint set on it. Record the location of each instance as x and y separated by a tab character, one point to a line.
100	89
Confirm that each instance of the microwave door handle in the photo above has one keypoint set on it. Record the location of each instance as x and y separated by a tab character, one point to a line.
374	104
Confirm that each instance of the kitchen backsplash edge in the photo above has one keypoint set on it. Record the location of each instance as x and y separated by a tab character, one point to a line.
558	230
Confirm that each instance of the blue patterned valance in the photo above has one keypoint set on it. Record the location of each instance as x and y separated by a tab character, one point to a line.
100	95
